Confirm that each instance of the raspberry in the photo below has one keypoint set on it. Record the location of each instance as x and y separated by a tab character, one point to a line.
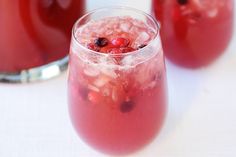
120	42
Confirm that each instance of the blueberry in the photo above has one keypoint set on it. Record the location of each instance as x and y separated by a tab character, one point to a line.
141	46
83	92
182	2
126	106
101	42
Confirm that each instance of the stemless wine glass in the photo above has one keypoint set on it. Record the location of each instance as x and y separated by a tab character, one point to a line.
35	37
194	32
117	102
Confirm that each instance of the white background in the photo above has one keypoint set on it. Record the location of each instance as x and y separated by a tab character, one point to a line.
201	120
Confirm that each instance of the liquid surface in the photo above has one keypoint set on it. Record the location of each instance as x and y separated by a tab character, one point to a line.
119	32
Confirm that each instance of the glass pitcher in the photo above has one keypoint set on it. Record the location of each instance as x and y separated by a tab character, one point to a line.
35	37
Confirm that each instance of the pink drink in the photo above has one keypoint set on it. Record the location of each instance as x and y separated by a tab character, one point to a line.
194	32
34	33
117	95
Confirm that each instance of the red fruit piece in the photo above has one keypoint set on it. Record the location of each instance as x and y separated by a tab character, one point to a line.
93	47
121	50
120	42
106	49
94	97
126	106
118	94
127	49
116	51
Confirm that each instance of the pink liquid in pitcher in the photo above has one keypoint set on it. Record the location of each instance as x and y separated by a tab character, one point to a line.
35	32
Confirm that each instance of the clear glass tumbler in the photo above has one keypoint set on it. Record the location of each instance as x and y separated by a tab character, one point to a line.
117	101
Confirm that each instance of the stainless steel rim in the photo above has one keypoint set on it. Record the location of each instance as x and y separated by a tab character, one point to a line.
41	73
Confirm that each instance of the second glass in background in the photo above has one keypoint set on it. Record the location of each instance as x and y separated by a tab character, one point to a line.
194	32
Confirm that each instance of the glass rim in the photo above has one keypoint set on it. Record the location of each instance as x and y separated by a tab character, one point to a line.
150	17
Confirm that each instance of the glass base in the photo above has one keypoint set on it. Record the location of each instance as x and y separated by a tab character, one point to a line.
41	73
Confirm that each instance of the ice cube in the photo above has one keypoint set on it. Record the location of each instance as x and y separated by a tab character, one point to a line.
91	71
212	12
143	36
107	66
114	95
93	88
134	30
106	92
144	72
150	85
108	72
101	81
125	27
128	61
108	32
141	75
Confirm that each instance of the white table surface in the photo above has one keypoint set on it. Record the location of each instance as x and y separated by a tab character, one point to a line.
201	120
